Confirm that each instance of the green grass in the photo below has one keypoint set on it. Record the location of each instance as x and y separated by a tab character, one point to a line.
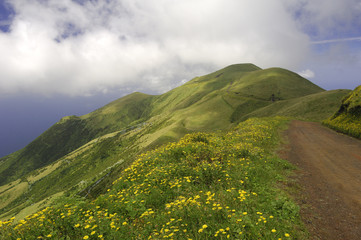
205	186
76	152
283	84
313	107
348	117
72	132
70	174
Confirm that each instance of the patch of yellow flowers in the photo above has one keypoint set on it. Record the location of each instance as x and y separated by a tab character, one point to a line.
204	186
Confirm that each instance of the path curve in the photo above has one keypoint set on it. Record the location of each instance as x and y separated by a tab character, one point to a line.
330	178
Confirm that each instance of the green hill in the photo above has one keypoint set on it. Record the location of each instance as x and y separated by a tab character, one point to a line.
84	155
313	107
72	132
348	117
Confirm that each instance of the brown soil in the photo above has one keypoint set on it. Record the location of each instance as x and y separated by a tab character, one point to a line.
330	178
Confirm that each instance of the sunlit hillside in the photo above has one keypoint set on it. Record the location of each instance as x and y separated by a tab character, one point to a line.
348	117
205	186
83	155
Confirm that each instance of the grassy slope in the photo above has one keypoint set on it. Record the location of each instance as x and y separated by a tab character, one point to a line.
348	117
217	100
72	132
72	173
314	107
208	103
206	186
283	84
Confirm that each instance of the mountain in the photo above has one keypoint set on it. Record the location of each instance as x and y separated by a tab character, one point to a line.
348	117
85	154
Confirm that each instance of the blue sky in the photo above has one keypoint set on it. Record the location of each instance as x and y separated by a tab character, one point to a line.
63	57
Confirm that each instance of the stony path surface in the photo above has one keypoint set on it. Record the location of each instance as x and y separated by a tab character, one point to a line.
330	178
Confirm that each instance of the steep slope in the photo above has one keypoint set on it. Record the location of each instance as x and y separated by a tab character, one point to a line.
348	117
72	173
72	132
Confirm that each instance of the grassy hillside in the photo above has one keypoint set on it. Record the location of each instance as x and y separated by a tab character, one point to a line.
314	107
218	100
72	132
206	186
86	171
348	117
84	155
274	83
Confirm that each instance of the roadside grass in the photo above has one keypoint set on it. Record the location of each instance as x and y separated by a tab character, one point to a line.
205	186
344	123
348	117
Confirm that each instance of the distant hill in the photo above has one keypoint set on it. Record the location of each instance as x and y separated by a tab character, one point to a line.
348	117
84	154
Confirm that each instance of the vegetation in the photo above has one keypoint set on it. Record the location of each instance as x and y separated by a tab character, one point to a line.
83	156
71	174
205	186
348	118
313	107
192	107
71	133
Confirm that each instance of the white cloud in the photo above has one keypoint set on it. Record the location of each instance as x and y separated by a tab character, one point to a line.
325	19
307	74
60	46
334	27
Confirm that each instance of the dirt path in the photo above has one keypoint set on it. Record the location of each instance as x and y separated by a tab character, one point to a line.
330	178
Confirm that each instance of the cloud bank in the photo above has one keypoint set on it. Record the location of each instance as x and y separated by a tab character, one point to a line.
85	47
